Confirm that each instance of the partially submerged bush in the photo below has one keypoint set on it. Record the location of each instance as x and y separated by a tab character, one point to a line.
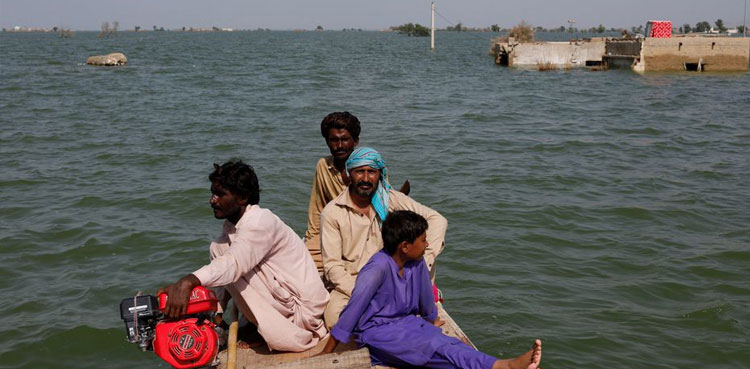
545	66
523	32
412	29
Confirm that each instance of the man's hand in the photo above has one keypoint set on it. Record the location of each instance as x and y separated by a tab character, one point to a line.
178	295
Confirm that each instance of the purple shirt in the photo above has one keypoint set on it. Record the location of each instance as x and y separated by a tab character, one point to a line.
391	314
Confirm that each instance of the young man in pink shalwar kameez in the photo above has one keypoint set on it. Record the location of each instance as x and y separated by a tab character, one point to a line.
261	263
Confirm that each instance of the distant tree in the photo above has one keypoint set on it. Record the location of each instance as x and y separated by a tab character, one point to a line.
104	30
741	29
720	25
680	30
107	31
702	27
154	28
457	28
319	28
137	28
686	28
601	29
495	28
411	29
64	33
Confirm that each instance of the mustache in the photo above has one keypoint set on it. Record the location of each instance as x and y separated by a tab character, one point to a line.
365	183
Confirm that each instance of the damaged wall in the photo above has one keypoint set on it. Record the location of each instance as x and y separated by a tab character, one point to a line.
715	53
558	53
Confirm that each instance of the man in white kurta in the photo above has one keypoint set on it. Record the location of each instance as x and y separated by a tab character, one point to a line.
261	262
270	274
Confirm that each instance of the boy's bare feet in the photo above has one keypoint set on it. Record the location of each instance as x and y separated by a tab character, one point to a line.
529	360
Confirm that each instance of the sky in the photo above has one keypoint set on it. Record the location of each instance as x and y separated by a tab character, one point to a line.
371	15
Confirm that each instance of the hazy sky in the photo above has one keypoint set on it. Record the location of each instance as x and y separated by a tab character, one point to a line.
377	14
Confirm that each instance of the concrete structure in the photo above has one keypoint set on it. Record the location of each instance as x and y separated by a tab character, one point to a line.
679	53
557	54
714	54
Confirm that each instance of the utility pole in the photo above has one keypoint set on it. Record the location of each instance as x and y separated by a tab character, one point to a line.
432	24
571	22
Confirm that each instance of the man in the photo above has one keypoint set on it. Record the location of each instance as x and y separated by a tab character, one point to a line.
341	132
261	262
350	226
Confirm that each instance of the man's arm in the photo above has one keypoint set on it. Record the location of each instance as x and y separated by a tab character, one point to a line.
436	225
250	247
317	202
332	249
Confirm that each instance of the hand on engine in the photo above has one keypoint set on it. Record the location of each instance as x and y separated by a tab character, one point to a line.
178	295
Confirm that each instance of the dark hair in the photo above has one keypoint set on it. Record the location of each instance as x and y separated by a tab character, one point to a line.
400	226
239	178
340	120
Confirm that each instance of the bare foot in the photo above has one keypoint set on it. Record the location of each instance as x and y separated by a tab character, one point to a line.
248	337
530	360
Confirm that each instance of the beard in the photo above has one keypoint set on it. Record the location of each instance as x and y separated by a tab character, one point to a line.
365	191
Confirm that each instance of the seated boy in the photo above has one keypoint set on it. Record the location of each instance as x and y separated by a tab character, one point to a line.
393	313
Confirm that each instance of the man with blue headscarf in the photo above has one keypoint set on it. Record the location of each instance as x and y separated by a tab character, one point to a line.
350	226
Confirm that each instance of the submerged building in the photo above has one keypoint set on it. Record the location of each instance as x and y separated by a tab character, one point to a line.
677	53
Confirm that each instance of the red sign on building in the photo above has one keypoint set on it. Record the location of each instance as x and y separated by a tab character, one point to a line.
659	29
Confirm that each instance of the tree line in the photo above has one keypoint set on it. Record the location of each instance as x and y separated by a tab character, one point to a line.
416	29
704	26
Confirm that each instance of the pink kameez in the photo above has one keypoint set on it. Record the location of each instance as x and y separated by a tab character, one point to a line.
272	278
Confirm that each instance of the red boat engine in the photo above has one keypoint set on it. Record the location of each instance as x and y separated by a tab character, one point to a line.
190	341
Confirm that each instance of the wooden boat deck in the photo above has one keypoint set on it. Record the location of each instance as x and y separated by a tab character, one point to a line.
344	357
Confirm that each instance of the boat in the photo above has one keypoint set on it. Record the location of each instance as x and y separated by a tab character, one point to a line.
346	356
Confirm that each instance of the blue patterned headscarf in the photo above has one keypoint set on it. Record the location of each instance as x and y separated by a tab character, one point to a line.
370	157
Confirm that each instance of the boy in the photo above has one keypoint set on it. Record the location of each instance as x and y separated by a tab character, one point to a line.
393	313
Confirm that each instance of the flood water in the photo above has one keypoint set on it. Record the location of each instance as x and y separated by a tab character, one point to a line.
607	213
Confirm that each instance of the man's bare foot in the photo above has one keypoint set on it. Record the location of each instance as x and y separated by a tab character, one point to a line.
530	360
248	337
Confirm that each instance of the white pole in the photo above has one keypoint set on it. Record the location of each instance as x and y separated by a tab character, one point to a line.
432	25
